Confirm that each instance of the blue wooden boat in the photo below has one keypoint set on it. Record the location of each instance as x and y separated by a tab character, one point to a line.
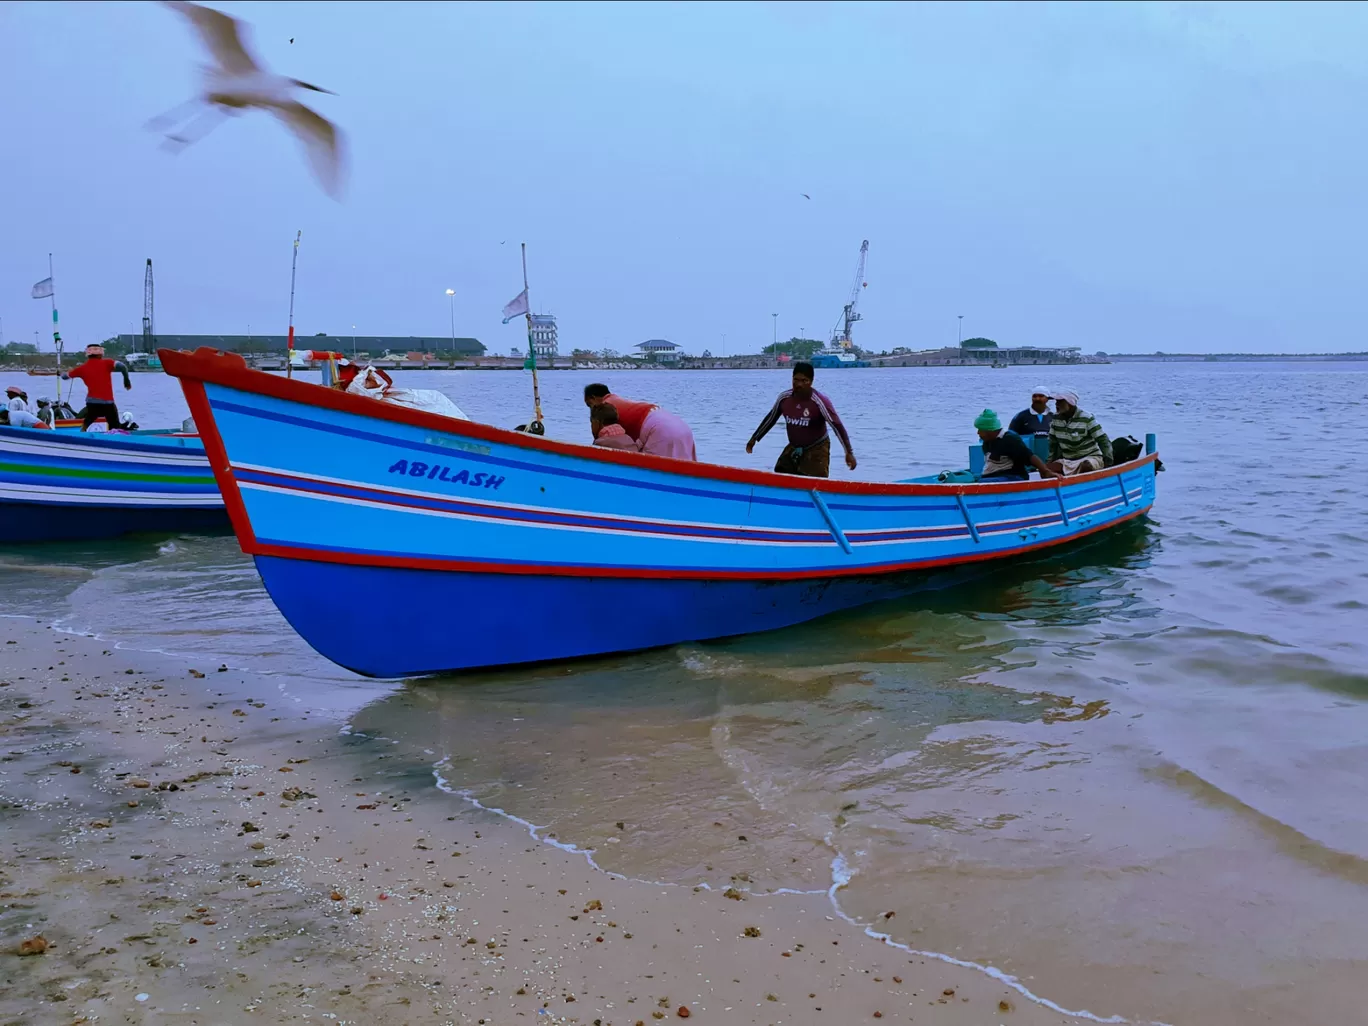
66	485
399	543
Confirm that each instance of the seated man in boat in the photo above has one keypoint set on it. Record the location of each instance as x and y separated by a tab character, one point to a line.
1036	418
656	431
1005	456
608	433
16	399
98	374
1077	443
21	418
807	413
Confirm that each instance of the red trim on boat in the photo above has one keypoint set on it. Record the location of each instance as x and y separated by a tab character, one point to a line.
231	371
553	570
218	461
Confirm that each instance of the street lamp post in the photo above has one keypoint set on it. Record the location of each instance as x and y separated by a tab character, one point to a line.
961	330
776	328
451	295
354	356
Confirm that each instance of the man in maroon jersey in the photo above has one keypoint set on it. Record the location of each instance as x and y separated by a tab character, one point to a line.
807	413
98	374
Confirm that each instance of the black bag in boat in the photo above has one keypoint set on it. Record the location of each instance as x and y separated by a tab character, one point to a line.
1125	449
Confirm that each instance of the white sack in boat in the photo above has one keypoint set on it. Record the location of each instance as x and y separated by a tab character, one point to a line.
429	400
376	384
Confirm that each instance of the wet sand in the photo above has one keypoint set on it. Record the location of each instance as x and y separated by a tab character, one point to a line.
194	849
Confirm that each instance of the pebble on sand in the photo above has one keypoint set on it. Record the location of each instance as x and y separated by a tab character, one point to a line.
33	946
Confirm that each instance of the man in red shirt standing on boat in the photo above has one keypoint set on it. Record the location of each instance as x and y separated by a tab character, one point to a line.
98	374
807	414
656	431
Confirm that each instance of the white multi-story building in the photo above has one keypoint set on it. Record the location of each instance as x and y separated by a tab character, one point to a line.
660	350
544	335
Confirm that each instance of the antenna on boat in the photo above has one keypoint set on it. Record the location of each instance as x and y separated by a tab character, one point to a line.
536	427
289	339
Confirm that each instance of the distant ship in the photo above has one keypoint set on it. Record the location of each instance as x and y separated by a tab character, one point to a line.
836	355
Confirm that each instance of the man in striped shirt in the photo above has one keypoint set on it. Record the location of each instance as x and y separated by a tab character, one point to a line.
807	414
1077	442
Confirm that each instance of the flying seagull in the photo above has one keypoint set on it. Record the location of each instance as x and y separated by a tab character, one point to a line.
805	195
236	83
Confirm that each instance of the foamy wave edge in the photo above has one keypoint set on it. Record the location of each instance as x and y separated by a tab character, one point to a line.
841	875
587	854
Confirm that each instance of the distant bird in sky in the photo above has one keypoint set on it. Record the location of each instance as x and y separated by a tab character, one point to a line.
292	40
237	83
805	195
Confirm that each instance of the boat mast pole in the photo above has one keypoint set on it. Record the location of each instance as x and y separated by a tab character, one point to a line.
532	357
56	335
289	339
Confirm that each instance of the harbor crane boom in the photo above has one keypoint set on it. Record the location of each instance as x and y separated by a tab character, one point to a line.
841	336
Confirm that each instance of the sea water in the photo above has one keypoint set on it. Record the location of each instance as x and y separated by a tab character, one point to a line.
1129	774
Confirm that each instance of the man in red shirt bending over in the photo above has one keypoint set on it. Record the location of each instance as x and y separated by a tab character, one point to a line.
655	431
807	414
98	374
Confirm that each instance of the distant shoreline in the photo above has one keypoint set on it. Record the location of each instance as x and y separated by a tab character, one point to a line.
1234	357
758	362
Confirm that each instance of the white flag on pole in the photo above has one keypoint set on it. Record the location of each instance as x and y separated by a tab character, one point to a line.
516	307
44	289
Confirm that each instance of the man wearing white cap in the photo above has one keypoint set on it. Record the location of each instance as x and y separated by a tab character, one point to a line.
1036	418
1078	444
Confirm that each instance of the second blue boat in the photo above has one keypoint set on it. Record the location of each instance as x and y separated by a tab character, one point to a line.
65	485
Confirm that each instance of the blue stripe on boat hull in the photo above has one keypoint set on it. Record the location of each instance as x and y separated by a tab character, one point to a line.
42	522
416	622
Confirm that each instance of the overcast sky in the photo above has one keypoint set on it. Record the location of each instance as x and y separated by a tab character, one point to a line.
1122	177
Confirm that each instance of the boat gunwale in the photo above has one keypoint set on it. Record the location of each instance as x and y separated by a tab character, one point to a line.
230	370
107	440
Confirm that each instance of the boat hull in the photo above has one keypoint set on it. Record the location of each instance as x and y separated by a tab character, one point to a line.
24	522
67	486
483	620
398	542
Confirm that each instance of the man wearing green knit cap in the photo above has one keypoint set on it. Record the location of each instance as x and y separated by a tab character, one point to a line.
1005	456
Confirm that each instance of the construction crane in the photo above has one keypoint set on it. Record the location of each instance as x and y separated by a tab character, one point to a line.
840	335
149	343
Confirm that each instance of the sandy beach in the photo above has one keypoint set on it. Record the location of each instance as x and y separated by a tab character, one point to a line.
180	846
